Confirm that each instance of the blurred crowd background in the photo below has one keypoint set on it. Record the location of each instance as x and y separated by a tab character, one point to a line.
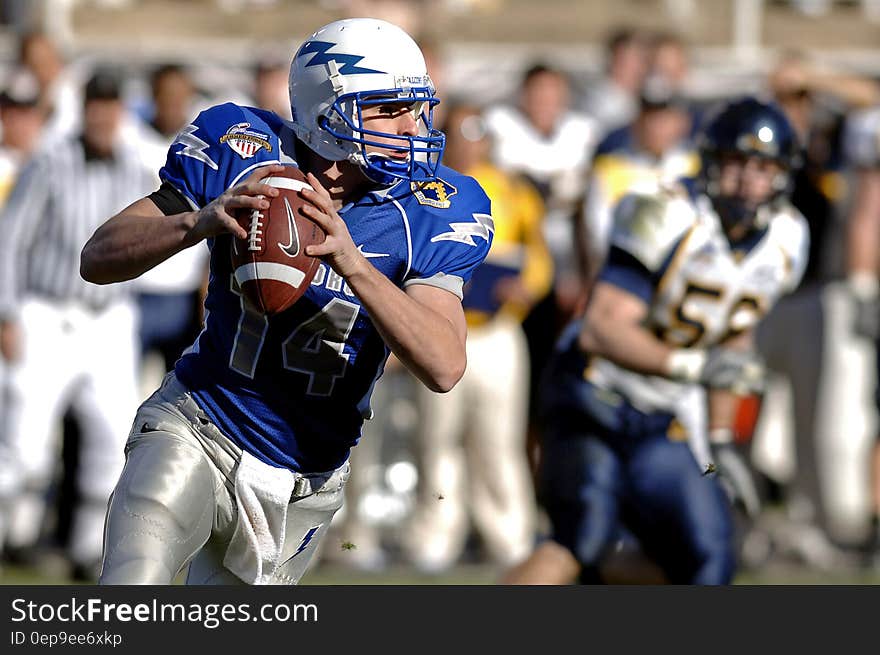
558	107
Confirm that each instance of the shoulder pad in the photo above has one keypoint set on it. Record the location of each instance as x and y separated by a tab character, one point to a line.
790	226
647	226
792	232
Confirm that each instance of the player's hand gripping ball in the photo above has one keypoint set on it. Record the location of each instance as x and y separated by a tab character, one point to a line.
271	266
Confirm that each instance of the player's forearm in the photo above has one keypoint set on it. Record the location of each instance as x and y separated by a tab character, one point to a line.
722	410
424	340
626	344
131	243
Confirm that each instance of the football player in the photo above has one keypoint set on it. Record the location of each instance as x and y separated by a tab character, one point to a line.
236	464
687	278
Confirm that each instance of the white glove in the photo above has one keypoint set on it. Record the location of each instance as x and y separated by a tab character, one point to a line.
718	368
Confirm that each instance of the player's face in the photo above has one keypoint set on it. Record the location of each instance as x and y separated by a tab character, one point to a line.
749	178
397	118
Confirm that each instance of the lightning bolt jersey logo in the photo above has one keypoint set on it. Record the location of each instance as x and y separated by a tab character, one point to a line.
482	227
347	63
195	147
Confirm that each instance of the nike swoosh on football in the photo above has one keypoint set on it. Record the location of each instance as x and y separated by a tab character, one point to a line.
370	255
294	235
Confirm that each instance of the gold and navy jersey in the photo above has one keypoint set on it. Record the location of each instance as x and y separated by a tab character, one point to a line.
293	389
700	288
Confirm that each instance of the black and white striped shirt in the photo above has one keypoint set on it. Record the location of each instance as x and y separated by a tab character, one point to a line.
60	198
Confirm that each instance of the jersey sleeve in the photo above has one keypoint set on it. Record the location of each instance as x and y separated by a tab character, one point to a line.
449	243
220	147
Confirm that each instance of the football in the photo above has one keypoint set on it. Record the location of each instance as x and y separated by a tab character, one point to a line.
271	266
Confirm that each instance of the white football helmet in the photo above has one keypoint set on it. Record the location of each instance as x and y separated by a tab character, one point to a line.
351	64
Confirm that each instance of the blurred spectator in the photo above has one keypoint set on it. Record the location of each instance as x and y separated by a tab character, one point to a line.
170	295
21	119
641	157
472	439
542	138
863	141
174	96
812	435
69	342
60	94
21	122
669	60
270	86
613	100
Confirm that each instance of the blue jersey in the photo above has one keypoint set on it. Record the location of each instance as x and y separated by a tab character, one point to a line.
294	388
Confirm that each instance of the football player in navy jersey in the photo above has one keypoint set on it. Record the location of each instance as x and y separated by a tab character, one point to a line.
236	464
661	356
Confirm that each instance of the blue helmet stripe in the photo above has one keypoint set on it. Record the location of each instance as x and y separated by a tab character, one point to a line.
347	63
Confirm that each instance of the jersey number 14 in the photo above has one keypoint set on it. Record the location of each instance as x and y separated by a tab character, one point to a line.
314	348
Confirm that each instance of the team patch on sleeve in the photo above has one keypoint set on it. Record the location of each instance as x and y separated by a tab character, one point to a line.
245	141
436	193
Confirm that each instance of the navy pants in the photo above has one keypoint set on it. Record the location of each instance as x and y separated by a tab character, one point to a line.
593	481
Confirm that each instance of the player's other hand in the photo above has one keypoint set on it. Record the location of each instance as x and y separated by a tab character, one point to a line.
721	367
218	216
338	249
741	372
735	476
10	341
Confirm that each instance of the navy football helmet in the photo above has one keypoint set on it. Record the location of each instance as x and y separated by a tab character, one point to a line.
746	128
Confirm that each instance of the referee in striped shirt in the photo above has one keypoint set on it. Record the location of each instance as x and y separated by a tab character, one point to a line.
69	343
